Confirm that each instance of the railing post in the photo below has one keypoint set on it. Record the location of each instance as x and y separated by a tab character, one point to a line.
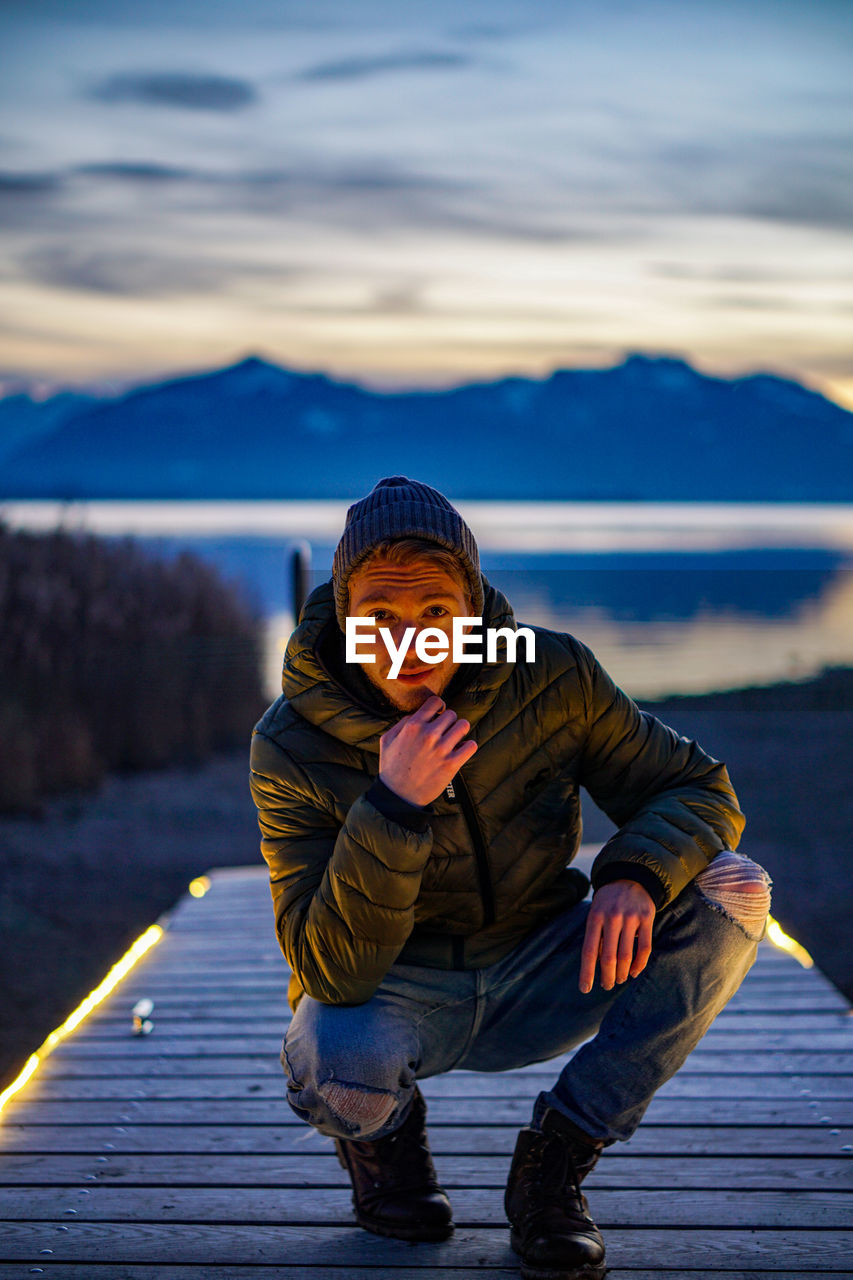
300	570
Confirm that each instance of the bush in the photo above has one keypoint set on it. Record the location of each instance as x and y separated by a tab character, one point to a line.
111	659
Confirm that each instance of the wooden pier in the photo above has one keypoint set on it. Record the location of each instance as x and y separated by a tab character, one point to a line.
175	1155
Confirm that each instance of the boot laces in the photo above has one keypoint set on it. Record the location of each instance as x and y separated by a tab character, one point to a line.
561	1180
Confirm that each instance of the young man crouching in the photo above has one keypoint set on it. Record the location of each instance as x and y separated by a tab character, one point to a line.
419	813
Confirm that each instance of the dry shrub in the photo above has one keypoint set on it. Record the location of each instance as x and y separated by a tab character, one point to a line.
112	659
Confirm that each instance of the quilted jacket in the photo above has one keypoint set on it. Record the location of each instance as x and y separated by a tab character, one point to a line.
361	879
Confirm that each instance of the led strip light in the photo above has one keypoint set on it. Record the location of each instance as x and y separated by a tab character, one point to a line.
198	888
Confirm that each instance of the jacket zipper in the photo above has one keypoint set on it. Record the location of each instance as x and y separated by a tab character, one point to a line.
478	840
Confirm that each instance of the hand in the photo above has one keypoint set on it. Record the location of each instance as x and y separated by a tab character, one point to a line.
621	914
423	752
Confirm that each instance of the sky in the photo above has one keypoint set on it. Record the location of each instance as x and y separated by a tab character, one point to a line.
415	194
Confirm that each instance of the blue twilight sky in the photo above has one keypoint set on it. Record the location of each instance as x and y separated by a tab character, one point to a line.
412	193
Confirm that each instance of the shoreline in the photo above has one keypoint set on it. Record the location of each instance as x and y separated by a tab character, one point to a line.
85	878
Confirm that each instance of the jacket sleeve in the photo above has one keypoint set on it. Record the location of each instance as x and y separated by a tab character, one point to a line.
674	804
344	896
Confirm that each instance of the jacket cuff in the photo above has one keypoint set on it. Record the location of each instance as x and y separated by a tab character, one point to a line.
396	809
637	872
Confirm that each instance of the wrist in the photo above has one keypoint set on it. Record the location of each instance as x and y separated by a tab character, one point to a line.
637	873
396	808
399	789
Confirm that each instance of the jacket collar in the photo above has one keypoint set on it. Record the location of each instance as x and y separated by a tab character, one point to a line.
350	709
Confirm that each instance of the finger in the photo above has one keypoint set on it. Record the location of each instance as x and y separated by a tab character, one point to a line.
455	733
625	952
644	948
609	950
589	953
427	710
440	724
460	754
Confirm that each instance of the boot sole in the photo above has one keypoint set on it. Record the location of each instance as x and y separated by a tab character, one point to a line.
534	1271
402	1233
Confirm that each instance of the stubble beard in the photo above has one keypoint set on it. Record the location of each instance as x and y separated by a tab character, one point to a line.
408	699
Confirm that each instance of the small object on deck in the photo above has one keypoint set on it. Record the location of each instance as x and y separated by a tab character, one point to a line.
142	1010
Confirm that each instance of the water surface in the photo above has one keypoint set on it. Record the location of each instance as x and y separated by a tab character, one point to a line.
672	597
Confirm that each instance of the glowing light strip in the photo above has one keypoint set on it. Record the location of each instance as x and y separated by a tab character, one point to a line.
777	935
119	970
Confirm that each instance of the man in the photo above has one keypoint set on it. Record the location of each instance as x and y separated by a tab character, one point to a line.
418	828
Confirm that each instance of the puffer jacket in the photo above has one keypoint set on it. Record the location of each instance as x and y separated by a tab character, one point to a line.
358	882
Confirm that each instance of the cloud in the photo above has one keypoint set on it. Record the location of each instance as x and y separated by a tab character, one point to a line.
185	90
399	300
120	272
756	302
826	204
371	200
485	31
28	200
28	184
382	64
366	197
134	171
728	273
326	180
799	178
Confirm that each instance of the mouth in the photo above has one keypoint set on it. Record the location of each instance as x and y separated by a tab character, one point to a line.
413	677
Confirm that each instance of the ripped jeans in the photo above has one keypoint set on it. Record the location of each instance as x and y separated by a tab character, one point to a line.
352	1069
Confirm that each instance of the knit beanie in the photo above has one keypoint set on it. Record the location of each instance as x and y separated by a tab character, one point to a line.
401	508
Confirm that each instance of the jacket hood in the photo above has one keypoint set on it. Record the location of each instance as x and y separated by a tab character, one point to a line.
321	697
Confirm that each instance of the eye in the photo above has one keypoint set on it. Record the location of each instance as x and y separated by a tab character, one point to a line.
381	615
436	611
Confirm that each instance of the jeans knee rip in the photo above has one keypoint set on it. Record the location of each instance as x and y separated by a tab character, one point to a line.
362	1111
739	889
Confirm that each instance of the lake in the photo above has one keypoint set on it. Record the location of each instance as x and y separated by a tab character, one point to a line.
672	597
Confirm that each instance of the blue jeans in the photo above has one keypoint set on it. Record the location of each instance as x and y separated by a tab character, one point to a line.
526	1008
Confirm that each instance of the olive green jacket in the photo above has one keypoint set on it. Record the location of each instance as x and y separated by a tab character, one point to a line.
359	881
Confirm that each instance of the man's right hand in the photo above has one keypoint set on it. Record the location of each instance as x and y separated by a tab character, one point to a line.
424	751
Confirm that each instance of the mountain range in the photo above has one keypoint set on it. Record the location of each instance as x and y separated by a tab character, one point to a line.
650	428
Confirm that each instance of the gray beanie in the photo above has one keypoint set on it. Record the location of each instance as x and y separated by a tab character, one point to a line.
401	508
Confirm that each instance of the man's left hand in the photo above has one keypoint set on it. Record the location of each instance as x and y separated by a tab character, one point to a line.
622	914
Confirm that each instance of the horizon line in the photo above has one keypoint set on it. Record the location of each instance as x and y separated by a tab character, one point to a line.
40	387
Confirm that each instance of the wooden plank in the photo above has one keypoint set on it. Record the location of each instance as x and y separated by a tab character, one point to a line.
118	1130
317	1165
230	1245
471	1206
455	1084
781	972
266	1061
99	1270
196	1046
275	1138
812	1029
481	1111
180	985
242	963
263	1005
283	1271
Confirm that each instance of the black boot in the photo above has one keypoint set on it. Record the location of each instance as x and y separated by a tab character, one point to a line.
394	1188
552	1231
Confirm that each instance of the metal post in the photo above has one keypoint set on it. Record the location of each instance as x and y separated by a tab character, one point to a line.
300	571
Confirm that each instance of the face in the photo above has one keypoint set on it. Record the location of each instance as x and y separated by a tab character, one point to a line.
398	596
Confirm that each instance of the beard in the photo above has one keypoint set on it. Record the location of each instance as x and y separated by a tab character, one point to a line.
409	697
